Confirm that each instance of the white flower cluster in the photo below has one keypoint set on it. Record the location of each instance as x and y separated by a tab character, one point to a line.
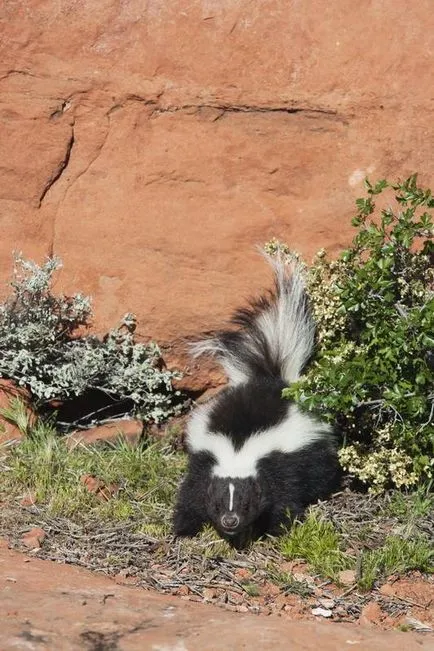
321	280
380	467
322	287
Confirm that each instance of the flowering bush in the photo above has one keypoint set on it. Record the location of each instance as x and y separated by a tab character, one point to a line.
41	349
374	308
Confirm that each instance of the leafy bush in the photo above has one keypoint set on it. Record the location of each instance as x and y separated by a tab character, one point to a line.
41	348
374	307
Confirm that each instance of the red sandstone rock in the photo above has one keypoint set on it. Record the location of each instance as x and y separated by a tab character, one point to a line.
209	594
347	577
128	429
387	590
224	125
71	609
102	491
9	390
198	375
371	614
207	395
34	538
28	500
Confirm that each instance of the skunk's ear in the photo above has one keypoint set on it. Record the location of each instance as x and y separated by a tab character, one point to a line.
211	490
261	494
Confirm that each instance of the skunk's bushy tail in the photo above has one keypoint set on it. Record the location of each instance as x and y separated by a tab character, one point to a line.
276	333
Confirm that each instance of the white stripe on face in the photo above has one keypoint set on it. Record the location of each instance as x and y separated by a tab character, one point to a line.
231	496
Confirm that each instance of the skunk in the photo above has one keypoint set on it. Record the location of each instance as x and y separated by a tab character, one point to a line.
255	460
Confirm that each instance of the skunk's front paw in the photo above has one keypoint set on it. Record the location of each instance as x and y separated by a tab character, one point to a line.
186	523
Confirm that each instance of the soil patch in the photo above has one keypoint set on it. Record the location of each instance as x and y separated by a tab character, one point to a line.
255	581
54	606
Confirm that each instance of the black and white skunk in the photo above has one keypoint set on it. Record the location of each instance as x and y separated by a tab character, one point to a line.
255	460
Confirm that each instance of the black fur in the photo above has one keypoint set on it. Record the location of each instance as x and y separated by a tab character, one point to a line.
281	485
296	480
285	484
246	408
191	511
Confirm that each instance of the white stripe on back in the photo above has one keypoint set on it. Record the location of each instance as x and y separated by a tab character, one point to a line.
296	431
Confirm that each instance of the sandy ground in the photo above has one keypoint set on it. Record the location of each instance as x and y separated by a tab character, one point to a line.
46	605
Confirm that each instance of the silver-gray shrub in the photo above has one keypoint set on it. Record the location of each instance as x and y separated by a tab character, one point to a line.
42	348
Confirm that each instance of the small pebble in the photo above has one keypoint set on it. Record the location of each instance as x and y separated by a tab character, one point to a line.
387	590
326	603
321	612
347	577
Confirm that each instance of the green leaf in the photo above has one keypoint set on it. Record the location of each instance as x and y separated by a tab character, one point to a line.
375	321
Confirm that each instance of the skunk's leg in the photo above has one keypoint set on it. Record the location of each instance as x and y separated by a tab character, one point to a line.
282	516
189	516
186	521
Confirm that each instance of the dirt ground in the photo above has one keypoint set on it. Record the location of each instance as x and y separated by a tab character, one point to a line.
47	605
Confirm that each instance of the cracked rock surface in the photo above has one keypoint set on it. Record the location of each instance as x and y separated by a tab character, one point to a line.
47	606
153	145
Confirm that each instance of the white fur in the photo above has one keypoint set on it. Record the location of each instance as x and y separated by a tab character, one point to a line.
231	496
288	330
295	432
234	368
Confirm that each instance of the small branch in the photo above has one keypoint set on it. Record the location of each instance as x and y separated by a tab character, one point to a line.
430	417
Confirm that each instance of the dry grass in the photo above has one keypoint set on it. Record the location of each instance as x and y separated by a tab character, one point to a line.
125	530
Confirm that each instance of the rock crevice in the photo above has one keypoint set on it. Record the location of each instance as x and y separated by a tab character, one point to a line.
60	168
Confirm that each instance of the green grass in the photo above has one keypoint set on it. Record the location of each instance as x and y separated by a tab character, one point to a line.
16	412
316	541
146	479
146	476
407	506
396	556
288	583
251	589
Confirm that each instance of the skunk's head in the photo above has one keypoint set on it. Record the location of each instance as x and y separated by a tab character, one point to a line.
234	506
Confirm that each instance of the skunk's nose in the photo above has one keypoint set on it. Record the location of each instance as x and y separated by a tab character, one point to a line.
230	521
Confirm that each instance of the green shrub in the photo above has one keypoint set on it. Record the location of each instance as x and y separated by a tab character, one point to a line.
374	308
43	348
